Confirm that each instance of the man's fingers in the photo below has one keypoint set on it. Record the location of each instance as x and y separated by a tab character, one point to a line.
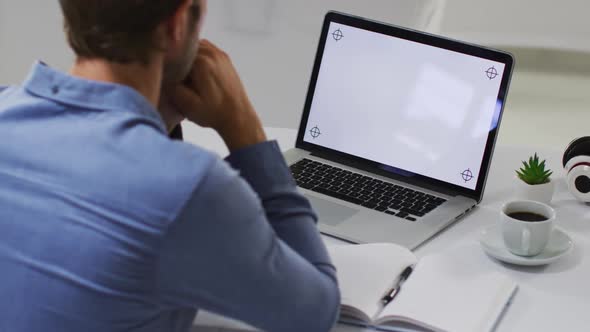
205	48
211	48
207	44
184	98
200	72
208	48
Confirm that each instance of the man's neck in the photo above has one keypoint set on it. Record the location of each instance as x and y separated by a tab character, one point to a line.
146	79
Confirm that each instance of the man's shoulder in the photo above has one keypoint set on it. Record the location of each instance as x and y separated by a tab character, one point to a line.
181	158
170	170
17	97
161	150
6	90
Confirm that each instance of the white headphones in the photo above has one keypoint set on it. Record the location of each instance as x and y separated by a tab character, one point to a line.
576	161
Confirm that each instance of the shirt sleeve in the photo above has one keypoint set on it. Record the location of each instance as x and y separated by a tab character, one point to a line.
246	246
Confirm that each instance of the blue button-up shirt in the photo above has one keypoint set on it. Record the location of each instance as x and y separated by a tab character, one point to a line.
106	224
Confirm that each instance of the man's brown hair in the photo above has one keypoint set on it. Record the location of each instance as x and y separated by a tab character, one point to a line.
120	31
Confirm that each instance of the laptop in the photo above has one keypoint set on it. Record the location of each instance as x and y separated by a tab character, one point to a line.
398	130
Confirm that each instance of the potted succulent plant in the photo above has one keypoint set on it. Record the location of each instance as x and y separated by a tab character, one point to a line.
536	184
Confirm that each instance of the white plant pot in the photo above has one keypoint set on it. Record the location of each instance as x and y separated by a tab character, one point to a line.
539	193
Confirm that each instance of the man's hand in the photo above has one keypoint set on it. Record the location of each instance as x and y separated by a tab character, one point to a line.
213	97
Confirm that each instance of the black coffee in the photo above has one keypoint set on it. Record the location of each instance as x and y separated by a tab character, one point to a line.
527	216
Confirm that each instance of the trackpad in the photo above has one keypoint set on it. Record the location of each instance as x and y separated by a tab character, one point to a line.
331	213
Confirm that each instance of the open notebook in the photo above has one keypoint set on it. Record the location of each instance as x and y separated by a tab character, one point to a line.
441	294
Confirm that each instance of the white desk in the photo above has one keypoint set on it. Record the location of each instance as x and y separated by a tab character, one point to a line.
551	298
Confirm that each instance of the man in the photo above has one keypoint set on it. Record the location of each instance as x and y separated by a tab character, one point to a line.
109	225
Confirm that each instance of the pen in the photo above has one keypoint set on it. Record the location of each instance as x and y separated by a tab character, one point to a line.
393	292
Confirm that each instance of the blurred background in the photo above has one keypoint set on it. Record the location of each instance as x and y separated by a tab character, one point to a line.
273	44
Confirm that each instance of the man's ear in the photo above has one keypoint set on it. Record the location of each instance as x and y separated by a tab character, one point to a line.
177	26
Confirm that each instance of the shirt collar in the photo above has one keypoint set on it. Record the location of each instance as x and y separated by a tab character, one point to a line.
51	84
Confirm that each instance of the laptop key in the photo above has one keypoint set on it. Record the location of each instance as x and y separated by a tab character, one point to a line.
429	207
412	212
395	207
402	215
406	204
375	195
370	205
386	202
338	195
306	185
364	198
418	207
379	191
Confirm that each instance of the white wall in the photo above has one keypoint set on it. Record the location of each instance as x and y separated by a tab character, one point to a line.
552	24
275	55
30	30
272	42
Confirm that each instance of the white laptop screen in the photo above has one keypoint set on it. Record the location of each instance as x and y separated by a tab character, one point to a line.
414	107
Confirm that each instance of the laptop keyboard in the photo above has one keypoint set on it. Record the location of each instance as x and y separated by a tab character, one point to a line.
363	190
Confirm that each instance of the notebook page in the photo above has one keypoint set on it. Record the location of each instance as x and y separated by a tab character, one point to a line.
365	273
447	295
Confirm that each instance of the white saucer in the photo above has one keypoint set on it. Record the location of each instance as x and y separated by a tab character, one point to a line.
493	244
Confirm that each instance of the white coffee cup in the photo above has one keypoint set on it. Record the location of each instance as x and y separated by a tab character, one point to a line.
527	238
